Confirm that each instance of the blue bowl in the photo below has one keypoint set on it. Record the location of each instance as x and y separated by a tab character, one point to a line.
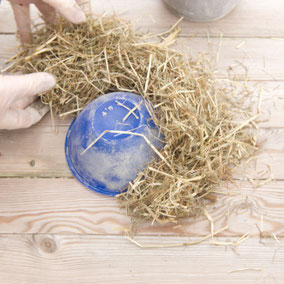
116	157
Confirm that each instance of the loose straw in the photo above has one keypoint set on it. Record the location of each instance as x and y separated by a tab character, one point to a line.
206	124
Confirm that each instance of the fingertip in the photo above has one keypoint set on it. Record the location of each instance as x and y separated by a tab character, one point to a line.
50	80
43	81
36	83
74	15
69	10
79	17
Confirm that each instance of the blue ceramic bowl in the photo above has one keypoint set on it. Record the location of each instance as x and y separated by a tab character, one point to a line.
116	157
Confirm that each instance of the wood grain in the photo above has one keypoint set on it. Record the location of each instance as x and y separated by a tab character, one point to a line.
272	106
248	19
111	259
46	148
251	62
54	230
64	206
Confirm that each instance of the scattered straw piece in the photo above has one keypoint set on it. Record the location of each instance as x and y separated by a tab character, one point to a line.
219	47
235	244
276	239
208	216
246	269
240	44
178	244
148	74
132	112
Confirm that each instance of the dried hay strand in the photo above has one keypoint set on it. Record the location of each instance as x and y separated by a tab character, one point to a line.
206	128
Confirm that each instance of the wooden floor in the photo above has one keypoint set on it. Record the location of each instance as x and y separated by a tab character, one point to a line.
53	230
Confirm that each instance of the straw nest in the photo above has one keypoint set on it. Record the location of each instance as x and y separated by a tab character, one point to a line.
206	130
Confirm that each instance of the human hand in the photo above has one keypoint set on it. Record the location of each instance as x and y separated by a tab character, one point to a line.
17	92
70	9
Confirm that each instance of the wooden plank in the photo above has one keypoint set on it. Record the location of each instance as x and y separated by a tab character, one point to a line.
112	259
272	106
46	148
248	19
64	206
271	114
253	61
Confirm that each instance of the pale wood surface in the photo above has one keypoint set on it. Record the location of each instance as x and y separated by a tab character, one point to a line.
53	230
37	258
256	18
64	206
263	57
46	147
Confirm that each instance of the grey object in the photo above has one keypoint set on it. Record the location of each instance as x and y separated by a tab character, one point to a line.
38	106
201	10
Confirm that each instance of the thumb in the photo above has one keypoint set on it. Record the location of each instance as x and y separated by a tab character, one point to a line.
69	9
22	118
14	87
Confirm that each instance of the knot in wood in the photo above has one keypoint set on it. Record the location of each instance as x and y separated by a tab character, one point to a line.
48	245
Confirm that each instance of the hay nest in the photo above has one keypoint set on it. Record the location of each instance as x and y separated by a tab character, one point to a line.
206	129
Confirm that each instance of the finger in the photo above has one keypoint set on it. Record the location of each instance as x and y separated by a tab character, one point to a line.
48	12
23	102
20	86
69	9
21	118
84	5
22	17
